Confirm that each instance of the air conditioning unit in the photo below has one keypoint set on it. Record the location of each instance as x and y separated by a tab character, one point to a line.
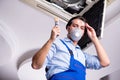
92	10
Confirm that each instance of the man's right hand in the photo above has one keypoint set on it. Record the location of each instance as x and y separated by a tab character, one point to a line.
55	32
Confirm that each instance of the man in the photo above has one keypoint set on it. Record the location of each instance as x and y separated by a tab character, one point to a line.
64	59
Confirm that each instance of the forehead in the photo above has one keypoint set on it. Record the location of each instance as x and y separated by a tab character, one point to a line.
78	22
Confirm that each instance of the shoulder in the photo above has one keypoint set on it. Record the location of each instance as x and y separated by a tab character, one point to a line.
59	40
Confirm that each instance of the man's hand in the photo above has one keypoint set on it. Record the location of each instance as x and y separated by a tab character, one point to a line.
54	33
91	32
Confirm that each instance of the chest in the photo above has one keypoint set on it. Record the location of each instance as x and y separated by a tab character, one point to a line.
62	54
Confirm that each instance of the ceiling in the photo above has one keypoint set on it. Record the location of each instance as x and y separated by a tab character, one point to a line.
110	2
7	38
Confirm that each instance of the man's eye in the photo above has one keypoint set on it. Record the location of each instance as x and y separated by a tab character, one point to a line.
74	26
82	27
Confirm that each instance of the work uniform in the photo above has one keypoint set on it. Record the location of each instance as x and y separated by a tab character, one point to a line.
65	65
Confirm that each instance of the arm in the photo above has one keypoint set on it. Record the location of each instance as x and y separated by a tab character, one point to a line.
101	53
39	58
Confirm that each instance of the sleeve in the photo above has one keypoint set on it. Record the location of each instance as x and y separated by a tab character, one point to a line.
92	62
50	54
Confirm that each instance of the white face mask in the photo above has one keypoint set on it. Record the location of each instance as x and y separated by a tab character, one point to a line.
75	34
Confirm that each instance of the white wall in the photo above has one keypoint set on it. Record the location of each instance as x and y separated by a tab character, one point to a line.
31	30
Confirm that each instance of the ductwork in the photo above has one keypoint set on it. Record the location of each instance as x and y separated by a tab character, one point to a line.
72	6
92	10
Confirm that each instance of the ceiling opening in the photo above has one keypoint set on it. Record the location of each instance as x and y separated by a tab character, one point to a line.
92	10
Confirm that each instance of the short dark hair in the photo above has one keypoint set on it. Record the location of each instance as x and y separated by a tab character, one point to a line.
76	17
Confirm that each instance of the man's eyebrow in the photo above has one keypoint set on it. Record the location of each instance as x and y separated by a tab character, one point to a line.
78	25
83	27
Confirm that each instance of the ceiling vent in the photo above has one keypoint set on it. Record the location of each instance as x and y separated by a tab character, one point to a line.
92	10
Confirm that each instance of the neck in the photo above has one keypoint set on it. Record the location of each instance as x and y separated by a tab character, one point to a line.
74	42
